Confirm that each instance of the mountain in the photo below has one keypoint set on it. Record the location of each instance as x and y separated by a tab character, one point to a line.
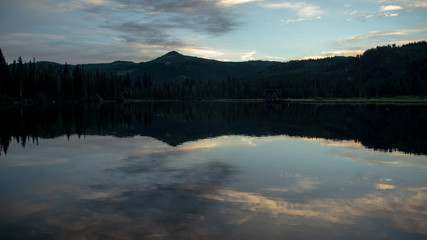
119	67
380	62
175	66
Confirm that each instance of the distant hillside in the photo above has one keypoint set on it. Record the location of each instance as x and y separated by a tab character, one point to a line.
398	63
119	67
175	66
381	71
381	62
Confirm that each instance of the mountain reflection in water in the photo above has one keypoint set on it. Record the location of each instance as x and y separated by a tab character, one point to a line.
382	127
195	170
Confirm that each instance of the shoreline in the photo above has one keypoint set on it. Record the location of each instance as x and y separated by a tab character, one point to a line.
388	100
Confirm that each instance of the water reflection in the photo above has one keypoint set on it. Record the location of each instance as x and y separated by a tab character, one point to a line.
134	188
383	127
165	178
333	218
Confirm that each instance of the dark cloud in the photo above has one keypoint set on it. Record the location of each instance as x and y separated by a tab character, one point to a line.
211	22
171	6
212	173
155	21
172	206
94	9
149	33
159	31
137	30
137	166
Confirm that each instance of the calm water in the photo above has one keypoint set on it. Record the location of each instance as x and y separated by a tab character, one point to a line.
197	170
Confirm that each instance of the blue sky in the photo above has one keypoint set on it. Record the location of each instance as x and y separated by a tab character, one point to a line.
92	31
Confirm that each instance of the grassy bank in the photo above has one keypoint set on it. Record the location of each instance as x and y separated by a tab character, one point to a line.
390	100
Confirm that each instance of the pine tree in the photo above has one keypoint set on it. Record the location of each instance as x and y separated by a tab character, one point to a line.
4	76
20	71
66	84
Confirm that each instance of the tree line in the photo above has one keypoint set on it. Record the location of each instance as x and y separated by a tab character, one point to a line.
385	71
24	81
379	72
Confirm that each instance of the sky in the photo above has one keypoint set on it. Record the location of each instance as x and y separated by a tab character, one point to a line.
95	31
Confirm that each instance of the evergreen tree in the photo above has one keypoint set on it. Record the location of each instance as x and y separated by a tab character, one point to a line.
20	78
4	76
79	87
66	84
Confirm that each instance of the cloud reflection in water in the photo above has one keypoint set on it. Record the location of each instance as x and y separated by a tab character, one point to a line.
224	188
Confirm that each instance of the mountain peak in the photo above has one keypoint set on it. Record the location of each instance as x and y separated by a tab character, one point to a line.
170	57
173	53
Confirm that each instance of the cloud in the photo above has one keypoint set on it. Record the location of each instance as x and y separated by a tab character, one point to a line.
390	8
65	6
36	36
229	3
201	51
213	22
171	6
95	2
150	28
61	49
166	23
182	6
378	34
176	200
248	56
386	8
301	184
147	32
410	203
342	53
292	20
165	31
381	186
405	3
401	160
418	4
191	211
374	34
248	140
273	58
302	9
96	196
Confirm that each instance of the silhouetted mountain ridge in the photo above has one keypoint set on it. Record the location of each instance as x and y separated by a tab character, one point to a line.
381	62
174	66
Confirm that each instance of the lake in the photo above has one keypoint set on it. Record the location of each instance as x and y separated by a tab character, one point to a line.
213	170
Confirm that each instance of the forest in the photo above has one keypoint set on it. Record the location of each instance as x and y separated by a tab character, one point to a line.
385	71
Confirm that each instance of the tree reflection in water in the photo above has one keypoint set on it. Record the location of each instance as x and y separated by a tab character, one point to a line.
382	127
